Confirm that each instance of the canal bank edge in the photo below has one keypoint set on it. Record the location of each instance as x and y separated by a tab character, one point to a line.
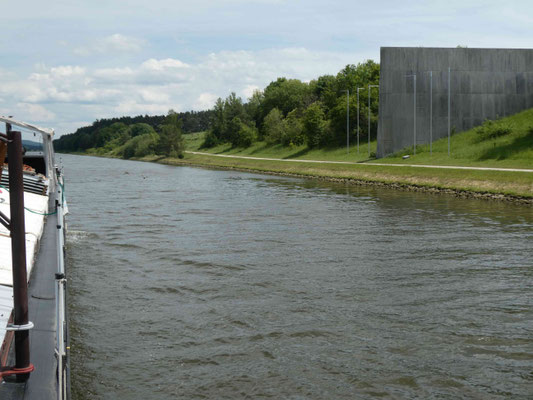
431	186
417	180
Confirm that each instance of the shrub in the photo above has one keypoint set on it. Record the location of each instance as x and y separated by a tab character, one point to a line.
293	135
244	137
493	129
139	146
210	140
274	126
316	128
146	144
170	142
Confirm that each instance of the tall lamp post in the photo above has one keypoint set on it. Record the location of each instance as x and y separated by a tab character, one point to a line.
430	112
359	88
347	120
369	87
449	108
414	110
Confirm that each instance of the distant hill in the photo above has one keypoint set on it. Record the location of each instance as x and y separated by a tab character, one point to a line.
97	133
30	145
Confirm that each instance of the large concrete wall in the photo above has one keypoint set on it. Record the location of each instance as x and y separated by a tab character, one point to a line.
485	84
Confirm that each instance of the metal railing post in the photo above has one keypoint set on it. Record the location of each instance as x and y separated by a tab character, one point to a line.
18	251
60	290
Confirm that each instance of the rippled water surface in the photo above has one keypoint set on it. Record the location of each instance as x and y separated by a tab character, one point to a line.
201	284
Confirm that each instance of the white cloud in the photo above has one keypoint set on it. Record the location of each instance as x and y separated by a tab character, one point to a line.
35	112
154	95
111	44
205	101
134	108
29	112
161	65
249	90
79	93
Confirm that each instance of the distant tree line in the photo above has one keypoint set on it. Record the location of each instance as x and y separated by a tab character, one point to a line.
287	112
292	112
126	141
104	130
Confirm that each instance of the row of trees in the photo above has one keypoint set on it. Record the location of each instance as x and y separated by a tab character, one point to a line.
291	112
139	139
167	140
288	112
105	130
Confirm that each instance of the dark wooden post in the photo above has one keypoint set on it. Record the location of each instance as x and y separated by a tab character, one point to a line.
18	250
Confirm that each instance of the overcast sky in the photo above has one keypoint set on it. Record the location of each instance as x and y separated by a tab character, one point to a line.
66	63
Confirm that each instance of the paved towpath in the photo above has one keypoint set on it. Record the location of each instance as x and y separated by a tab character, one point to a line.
364	163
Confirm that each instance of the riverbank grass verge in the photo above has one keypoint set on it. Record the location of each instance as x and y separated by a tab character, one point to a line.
508	183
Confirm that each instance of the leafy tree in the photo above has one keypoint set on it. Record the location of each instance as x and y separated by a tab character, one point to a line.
140	129
210	140
228	120
274	126
139	146
293	135
103	133
253	107
286	95
325	90
245	136
233	130
316	128
170	141
218	122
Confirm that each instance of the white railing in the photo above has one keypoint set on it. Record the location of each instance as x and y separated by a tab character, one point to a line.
61	345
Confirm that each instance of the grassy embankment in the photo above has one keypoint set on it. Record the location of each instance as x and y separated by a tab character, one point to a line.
513	149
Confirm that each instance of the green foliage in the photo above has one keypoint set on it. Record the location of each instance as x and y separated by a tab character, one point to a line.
139	146
245	136
104	133
170	141
210	140
316	127
324	89
242	135
140	129
274	126
293	135
253	107
493	129
230	123
286	95
288	112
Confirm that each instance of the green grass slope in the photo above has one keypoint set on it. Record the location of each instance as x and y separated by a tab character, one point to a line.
194	141
505	143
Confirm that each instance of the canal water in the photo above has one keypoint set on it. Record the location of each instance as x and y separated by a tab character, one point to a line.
188	283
